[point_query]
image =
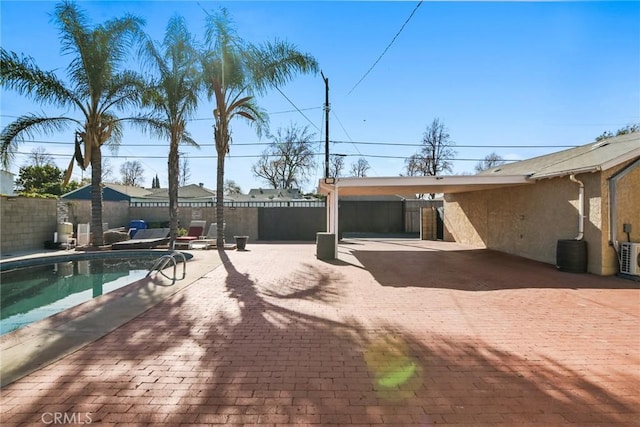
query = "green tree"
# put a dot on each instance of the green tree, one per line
(235, 71)
(45, 179)
(631, 128)
(288, 160)
(173, 95)
(97, 88)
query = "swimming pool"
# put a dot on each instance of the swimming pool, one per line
(33, 289)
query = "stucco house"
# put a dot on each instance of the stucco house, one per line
(110, 192)
(6, 183)
(588, 192)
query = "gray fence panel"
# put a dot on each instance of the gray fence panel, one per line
(371, 217)
(291, 223)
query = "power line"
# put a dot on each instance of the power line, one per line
(197, 119)
(258, 156)
(270, 113)
(235, 144)
(401, 144)
(391, 144)
(297, 109)
(387, 48)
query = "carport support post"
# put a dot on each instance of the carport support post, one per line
(329, 208)
(334, 213)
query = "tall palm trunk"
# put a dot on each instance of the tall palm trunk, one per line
(220, 199)
(96, 195)
(174, 171)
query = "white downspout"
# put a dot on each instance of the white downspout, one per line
(572, 177)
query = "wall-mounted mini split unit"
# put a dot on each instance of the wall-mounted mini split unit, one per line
(630, 258)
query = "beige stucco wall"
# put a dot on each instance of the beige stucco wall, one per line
(239, 221)
(114, 214)
(528, 220)
(26, 223)
(628, 212)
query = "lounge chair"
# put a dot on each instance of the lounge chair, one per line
(196, 230)
(147, 238)
(208, 241)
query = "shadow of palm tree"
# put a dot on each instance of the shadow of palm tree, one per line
(249, 346)
(473, 270)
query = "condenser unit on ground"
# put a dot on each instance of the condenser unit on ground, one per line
(630, 258)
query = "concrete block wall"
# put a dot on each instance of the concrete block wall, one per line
(26, 223)
(239, 221)
(115, 214)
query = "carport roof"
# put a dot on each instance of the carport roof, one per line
(418, 184)
(593, 157)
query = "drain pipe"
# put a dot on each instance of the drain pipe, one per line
(572, 177)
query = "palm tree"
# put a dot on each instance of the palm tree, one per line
(96, 88)
(234, 72)
(174, 98)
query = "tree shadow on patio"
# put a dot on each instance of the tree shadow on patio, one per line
(473, 270)
(240, 348)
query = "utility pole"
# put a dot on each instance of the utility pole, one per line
(326, 122)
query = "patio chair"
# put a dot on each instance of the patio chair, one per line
(195, 232)
(147, 238)
(208, 241)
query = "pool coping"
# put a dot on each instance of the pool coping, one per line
(43, 342)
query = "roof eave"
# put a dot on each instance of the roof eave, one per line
(418, 184)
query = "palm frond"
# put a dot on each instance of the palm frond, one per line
(154, 125)
(123, 90)
(72, 23)
(276, 63)
(112, 130)
(220, 30)
(253, 114)
(26, 127)
(25, 77)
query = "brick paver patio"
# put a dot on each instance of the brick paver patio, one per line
(395, 333)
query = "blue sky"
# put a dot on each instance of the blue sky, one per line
(516, 74)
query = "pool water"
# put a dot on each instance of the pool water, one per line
(29, 294)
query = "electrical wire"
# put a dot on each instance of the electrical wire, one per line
(269, 113)
(387, 48)
(297, 109)
(229, 156)
(392, 144)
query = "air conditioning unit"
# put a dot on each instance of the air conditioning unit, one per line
(630, 258)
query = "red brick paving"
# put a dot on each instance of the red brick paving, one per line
(396, 333)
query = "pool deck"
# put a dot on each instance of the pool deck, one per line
(395, 332)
